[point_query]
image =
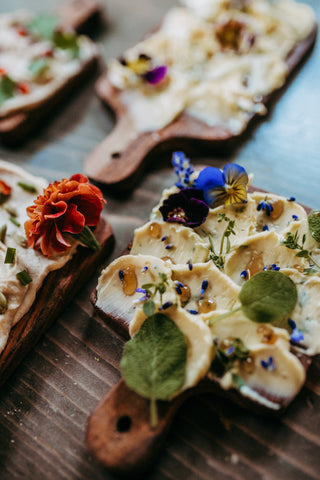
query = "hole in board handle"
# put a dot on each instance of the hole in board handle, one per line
(116, 155)
(124, 424)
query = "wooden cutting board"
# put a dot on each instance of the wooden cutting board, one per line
(57, 291)
(79, 15)
(119, 435)
(119, 160)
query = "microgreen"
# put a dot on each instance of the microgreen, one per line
(291, 241)
(314, 224)
(42, 26)
(218, 259)
(227, 354)
(27, 187)
(7, 88)
(67, 41)
(154, 361)
(38, 67)
(268, 296)
(152, 289)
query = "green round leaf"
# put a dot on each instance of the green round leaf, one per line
(154, 360)
(268, 296)
(314, 224)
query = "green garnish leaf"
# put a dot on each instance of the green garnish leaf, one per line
(14, 221)
(7, 88)
(154, 360)
(314, 224)
(24, 277)
(43, 26)
(268, 296)
(67, 41)
(10, 255)
(149, 308)
(291, 241)
(38, 67)
(27, 187)
(87, 238)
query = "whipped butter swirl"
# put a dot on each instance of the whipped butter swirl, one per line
(222, 57)
(20, 297)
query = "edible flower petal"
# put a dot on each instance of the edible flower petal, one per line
(186, 207)
(155, 75)
(66, 207)
(183, 168)
(223, 187)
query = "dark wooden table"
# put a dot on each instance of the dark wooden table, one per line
(45, 405)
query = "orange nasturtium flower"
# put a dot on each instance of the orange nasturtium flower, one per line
(65, 208)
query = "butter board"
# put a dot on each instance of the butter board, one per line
(119, 435)
(58, 289)
(80, 16)
(120, 159)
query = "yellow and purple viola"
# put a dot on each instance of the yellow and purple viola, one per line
(223, 187)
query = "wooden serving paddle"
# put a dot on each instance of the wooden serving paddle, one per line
(119, 434)
(121, 157)
(59, 287)
(78, 15)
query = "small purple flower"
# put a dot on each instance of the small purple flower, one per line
(193, 312)
(165, 306)
(204, 287)
(186, 207)
(155, 75)
(295, 217)
(190, 266)
(229, 351)
(296, 335)
(268, 364)
(274, 266)
(266, 206)
(179, 285)
(145, 294)
(144, 269)
(291, 199)
(121, 275)
(265, 228)
(183, 168)
(244, 274)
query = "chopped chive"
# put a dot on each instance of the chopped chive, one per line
(3, 231)
(10, 254)
(27, 187)
(11, 210)
(24, 277)
(14, 221)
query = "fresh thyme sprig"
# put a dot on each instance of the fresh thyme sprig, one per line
(150, 290)
(291, 241)
(218, 259)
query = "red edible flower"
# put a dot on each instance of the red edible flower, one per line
(2, 71)
(65, 207)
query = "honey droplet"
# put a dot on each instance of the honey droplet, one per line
(255, 264)
(278, 208)
(206, 305)
(248, 365)
(267, 334)
(155, 230)
(167, 259)
(300, 268)
(129, 282)
(185, 294)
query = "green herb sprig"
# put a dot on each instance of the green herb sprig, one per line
(154, 361)
(218, 259)
(269, 296)
(291, 241)
(151, 290)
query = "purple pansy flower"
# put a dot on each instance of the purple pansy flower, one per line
(227, 187)
(155, 75)
(186, 207)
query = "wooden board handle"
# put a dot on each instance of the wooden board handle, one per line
(79, 15)
(119, 434)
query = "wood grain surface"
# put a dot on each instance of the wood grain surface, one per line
(45, 405)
